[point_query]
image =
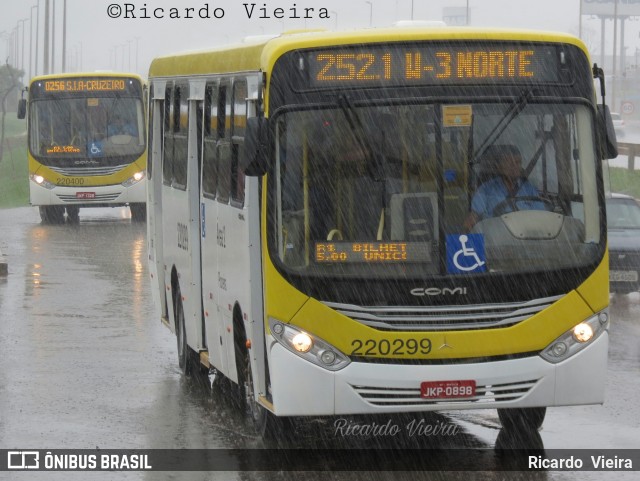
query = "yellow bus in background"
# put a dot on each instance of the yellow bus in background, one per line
(86, 143)
(307, 204)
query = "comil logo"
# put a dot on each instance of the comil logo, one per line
(23, 460)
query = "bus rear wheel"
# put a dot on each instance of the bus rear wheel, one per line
(52, 214)
(181, 337)
(519, 419)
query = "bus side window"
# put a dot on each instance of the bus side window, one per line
(167, 147)
(210, 133)
(223, 146)
(238, 126)
(180, 130)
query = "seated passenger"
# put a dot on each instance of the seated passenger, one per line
(504, 190)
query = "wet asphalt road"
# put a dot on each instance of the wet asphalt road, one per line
(85, 363)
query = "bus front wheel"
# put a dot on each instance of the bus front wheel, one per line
(529, 419)
(267, 425)
(138, 212)
(73, 213)
(52, 214)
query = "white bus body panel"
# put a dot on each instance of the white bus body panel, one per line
(214, 323)
(318, 392)
(225, 273)
(177, 240)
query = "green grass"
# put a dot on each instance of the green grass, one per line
(625, 181)
(14, 172)
(14, 126)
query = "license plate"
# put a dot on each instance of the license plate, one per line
(85, 195)
(623, 276)
(447, 389)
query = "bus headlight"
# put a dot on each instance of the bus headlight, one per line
(134, 179)
(302, 342)
(577, 338)
(307, 346)
(41, 181)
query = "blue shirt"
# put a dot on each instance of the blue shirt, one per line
(493, 192)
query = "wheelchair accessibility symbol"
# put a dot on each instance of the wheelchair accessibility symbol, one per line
(465, 253)
(95, 149)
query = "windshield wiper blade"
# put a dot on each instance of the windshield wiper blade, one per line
(355, 123)
(502, 124)
(357, 129)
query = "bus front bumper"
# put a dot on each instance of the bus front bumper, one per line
(87, 196)
(300, 388)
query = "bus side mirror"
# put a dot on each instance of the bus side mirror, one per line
(22, 108)
(610, 142)
(254, 158)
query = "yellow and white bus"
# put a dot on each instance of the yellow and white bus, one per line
(307, 202)
(87, 143)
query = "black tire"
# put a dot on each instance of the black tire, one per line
(266, 424)
(52, 214)
(184, 361)
(43, 215)
(522, 419)
(73, 214)
(138, 212)
(512, 443)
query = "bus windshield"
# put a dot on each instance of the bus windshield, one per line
(382, 190)
(95, 130)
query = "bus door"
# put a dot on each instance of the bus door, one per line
(154, 197)
(234, 285)
(213, 134)
(196, 99)
(181, 236)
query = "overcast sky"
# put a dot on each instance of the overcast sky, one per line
(96, 41)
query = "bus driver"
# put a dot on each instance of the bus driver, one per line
(500, 194)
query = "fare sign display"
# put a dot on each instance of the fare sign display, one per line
(436, 63)
(371, 252)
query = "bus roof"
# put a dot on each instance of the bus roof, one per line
(260, 53)
(56, 76)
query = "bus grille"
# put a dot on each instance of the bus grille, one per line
(399, 397)
(97, 199)
(438, 318)
(88, 171)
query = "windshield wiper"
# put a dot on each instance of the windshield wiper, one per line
(363, 141)
(515, 109)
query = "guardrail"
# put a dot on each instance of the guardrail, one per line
(630, 150)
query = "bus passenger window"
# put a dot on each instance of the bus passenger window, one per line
(167, 149)
(209, 160)
(180, 129)
(223, 146)
(239, 123)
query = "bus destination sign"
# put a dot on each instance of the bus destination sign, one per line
(84, 85)
(431, 64)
